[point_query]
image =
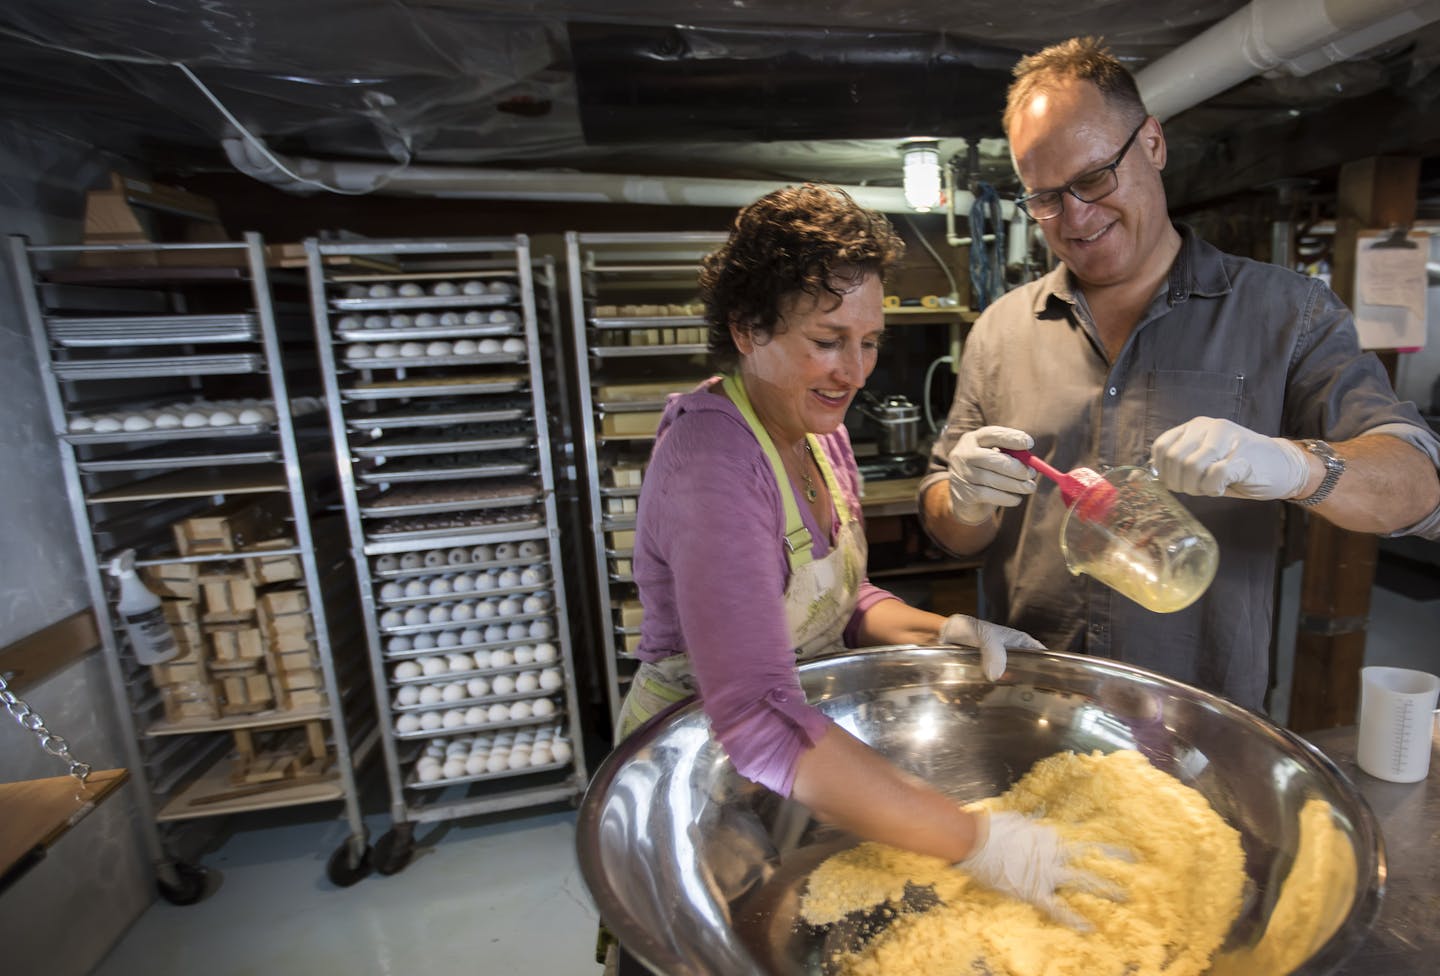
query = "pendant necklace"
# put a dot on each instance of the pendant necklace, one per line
(811, 493)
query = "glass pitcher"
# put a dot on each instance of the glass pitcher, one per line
(1130, 533)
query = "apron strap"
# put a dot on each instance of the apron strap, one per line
(798, 542)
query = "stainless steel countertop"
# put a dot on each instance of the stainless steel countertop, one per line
(1405, 940)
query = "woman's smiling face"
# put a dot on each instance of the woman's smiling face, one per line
(803, 377)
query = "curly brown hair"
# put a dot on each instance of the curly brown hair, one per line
(809, 238)
(1078, 59)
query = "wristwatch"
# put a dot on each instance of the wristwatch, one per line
(1334, 468)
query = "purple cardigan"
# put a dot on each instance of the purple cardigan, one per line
(710, 564)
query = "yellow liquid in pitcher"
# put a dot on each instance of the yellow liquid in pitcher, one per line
(1163, 586)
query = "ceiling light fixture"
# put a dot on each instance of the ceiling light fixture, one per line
(921, 161)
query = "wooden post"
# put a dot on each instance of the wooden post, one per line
(1340, 565)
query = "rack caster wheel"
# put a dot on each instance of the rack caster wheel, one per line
(394, 849)
(342, 873)
(189, 887)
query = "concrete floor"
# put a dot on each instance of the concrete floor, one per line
(498, 896)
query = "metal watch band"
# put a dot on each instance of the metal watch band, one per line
(1334, 468)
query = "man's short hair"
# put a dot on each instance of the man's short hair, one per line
(1078, 59)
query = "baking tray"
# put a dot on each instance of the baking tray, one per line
(490, 330)
(396, 303)
(450, 569)
(622, 523)
(439, 416)
(251, 479)
(489, 468)
(452, 386)
(413, 362)
(114, 369)
(461, 440)
(151, 330)
(514, 696)
(412, 780)
(499, 591)
(409, 630)
(399, 531)
(648, 322)
(626, 492)
(171, 434)
(411, 502)
(472, 673)
(165, 457)
(685, 349)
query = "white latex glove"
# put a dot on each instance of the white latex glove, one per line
(992, 639)
(982, 478)
(1206, 456)
(1026, 859)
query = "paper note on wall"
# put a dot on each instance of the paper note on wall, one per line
(1390, 289)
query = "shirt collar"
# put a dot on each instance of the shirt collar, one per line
(1199, 269)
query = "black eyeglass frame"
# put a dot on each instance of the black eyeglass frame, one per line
(1024, 202)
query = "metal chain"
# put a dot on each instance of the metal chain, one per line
(49, 741)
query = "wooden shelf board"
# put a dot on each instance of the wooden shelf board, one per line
(256, 720)
(216, 781)
(36, 813)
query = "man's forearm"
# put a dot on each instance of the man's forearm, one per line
(1387, 485)
(955, 536)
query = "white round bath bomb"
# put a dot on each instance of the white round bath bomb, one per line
(443, 288)
(488, 347)
(473, 287)
(412, 350)
(399, 321)
(412, 560)
(438, 348)
(454, 718)
(453, 693)
(380, 290)
(460, 662)
(440, 586)
(542, 708)
(535, 603)
(432, 666)
(508, 607)
(527, 681)
(503, 684)
(392, 618)
(169, 420)
(498, 713)
(387, 350)
(531, 575)
(409, 722)
(476, 317)
(493, 633)
(222, 418)
(463, 583)
(430, 774)
(347, 322)
(408, 695)
(464, 610)
(436, 558)
(447, 638)
(416, 615)
(475, 764)
(410, 289)
(550, 679)
(487, 580)
(541, 628)
(448, 320)
(465, 347)
(523, 654)
(375, 322)
(477, 687)
(501, 658)
(513, 345)
(561, 750)
(470, 636)
(439, 614)
(485, 609)
(423, 642)
(431, 695)
(426, 320)
(359, 350)
(194, 418)
(509, 578)
(416, 587)
(481, 554)
(429, 721)
(519, 760)
(406, 670)
(454, 768)
(477, 715)
(504, 551)
(392, 591)
(387, 563)
(458, 556)
(498, 762)
(519, 631)
(529, 549)
(545, 653)
(541, 756)
(250, 416)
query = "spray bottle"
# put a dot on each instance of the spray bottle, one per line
(140, 611)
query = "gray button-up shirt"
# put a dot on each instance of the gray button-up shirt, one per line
(1228, 337)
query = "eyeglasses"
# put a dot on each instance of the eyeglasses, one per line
(1087, 187)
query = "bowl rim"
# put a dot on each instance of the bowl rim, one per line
(1342, 943)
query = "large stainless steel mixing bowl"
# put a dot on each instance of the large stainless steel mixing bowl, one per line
(699, 871)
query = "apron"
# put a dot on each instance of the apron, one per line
(820, 596)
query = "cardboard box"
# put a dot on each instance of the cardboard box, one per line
(235, 525)
(229, 596)
(289, 641)
(179, 673)
(281, 603)
(621, 541)
(176, 581)
(640, 423)
(235, 645)
(287, 681)
(267, 570)
(631, 613)
(190, 700)
(302, 659)
(246, 691)
(183, 616)
(305, 698)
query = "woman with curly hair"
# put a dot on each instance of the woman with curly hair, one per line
(750, 553)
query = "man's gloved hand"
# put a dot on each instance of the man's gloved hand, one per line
(992, 639)
(1206, 456)
(982, 478)
(1025, 859)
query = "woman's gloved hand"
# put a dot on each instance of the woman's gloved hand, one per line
(982, 478)
(1206, 456)
(992, 639)
(1029, 860)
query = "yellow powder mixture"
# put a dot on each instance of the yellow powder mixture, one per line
(1183, 887)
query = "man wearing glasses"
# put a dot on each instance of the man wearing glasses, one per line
(1242, 383)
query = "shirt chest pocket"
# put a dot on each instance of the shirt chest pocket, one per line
(1174, 396)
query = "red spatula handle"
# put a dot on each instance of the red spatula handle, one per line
(1025, 457)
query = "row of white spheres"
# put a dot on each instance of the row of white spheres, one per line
(428, 320)
(503, 754)
(440, 347)
(459, 556)
(436, 665)
(412, 289)
(524, 683)
(199, 413)
(490, 579)
(475, 715)
(519, 630)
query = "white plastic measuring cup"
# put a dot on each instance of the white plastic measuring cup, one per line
(1397, 714)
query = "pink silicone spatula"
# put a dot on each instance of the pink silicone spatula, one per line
(1096, 504)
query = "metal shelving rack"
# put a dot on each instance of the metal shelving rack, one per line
(638, 336)
(437, 397)
(119, 328)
